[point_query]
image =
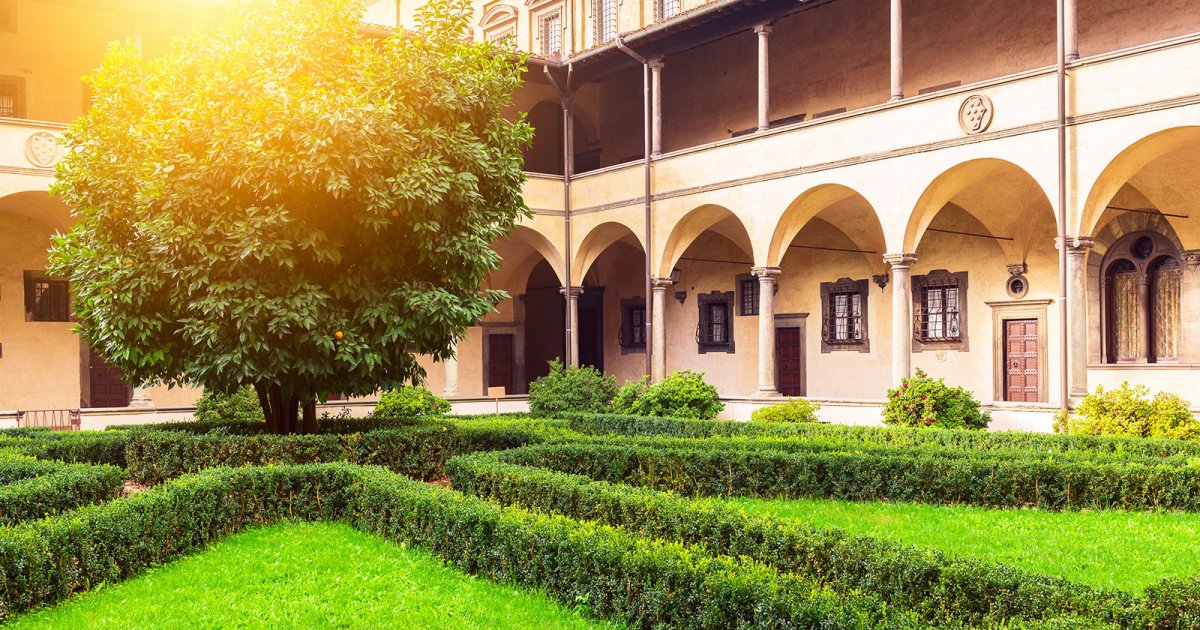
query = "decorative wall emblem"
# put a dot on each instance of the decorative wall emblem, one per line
(42, 149)
(975, 114)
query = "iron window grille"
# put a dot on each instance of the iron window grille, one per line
(604, 12)
(46, 299)
(940, 311)
(844, 315)
(632, 334)
(714, 331)
(665, 9)
(12, 97)
(748, 288)
(551, 32)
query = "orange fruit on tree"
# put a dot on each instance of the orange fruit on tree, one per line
(338, 335)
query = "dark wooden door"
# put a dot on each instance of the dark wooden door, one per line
(1021, 378)
(789, 361)
(105, 388)
(591, 328)
(500, 362)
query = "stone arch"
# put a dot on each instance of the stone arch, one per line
(516, 250)
(827, 201)
(39, 206)
(987, 189)
(696, 222)
(595, 242)
(496, 15)
(1128, 165)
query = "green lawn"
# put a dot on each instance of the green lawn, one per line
(308, 576)
(1124, 550)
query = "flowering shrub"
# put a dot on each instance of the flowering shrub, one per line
(1127, 411)
(581, 388)
(794, 410)
(409, 401)
(921, 401)
(683, 394)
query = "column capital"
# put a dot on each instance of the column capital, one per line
(763, 29)
(900, 261)
(1076, 245)
(1191, 258)
(655, 63)
(661, 284)
(575, 291)
(1018, 269)
(766, 274)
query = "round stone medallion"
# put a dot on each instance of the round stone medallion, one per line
(42, 149)
(975, 114)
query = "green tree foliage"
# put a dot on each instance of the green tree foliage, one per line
(1130, 411)
(921, 401)
(582, 388)
(288, 203)
(240, 406)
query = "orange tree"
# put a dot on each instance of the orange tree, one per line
(290, 203)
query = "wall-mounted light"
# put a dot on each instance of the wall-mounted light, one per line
(676, 274)
(681, 296)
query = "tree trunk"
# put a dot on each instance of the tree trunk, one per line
(283, 411)
(310, 416)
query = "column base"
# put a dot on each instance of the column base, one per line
(141, 403)
(896, 98)
(451, 393)
(767, 393)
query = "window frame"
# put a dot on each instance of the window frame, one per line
(845, 286)
(666, 9)
(600, 32)
(704, 302)
(625, 333)
(1144, 266)
(940, 279)
(32, 312)
(17, 85)
(741, 282)
(544, 32)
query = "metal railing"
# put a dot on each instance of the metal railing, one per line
(54, 419)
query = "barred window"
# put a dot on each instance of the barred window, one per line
(714, 331)
(844, 319)
(667, 9)
(633, 324)
(46, 299)
(551, 32)
(1165, 283)
(939, 310)
(748, 288)
(604, 12)
(12, 97)
(1126, 312)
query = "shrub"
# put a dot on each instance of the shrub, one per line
(627, 398)
(794, 410)
(683, 394)
(240, 406)
(410, 401)
(33, 489)
(581, 388)
(87, 447)
(718, 470)
(937, 586)
(921, 401)
(1127, 411)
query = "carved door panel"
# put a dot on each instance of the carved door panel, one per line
(789, 361)
(104, 385)
(1021, 360)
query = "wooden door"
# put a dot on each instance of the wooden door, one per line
(789, 361)
(591, 328)
(1021, 359)
(105, 388)
(500, 362)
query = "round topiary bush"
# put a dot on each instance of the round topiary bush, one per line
(240, 406)
(1128, 411)
(683, 394)
(794, 410)
(409, 401)
(921, 401)
(582, 388)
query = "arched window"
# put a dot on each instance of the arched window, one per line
(1142, 301)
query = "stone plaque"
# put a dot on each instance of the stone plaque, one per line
(975, 114)
(42, 149)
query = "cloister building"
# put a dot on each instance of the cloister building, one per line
(800, 198)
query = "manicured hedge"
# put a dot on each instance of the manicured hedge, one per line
(32, 489)
(644, 583)
(865, 476)
(940, 588)
(418, 451)
(89, 447)
(597, 424)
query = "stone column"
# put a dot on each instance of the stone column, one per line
(450, 373)
(764, 83)
(1077, 323)
(1189, 307)
(658, 330)
(572, 323)
(897, 31)
(141, 399)
(656, 66)
(766, 330)
(1070, 31)
(901, 315)
(1144, 309)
